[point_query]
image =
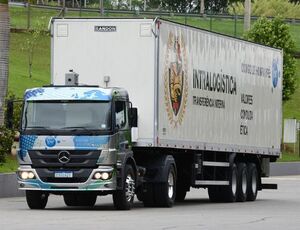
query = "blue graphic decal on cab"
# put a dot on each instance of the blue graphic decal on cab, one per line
(90, 142)
(92, 94)
(33, 93)
(26, 143)
(50, 141)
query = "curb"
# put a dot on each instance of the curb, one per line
(285, 169)
(9, 185)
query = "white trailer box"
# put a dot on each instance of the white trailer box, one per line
(194, 89)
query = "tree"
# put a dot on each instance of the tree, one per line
(4, 47)
(180, 6)
(216, 5)
(276, 33)
(202, 7)
(31, 43)
(247, 15)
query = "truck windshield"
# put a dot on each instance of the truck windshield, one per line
(66, 115)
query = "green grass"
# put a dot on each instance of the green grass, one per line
(291, 108)
(18, 64)
(11, 165)
(289, 157)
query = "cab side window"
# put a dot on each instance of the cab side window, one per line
(120, 110)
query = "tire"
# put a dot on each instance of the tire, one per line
(36, 199)
(230, 191)
(84, 199)
(252, 182)
(180, 194)
(165, 192)
(241, 182)
(123, 199)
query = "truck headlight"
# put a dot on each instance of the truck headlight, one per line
(105, 176)
(31, 175)
(102, 175)
(25, 175)
(97, 176)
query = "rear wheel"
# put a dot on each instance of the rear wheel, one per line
(161, 194)
(230, 191)
(123, 199)
(165, 193)
(36, 199)
(241, 182)
(252, 182)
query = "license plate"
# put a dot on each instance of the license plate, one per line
(63, 174)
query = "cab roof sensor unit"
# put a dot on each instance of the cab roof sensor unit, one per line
(71, 78)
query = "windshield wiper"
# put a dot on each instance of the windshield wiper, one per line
(88, 129)
(40, 128)
(76, 128)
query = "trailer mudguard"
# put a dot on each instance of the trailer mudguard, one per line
(157, 168)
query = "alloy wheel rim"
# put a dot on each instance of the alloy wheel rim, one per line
(170, 185)
(129, 187)
(233, 183)
(244, 182)
(254, 182)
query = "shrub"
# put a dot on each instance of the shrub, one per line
(6, 135)
(276, 33)
(17, 110)
(6, 141)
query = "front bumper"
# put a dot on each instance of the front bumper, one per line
(89, 185)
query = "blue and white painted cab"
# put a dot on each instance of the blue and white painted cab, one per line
(71, 137)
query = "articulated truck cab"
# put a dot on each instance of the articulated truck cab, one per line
(74, 141)
(207, 114)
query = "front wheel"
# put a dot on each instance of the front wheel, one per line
(242, 182)
(123, 199)
(36, 199)
(230, 191)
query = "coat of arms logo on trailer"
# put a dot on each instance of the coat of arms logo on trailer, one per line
(175, 79)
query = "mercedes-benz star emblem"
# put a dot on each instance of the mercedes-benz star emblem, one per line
(64, 157)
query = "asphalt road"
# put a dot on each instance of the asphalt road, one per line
(272, 210)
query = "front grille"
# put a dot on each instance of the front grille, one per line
(79, 176)
(78, 159)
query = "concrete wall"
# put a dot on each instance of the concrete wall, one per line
(9, 185)
(285, 169)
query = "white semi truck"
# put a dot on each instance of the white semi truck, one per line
(152, 108)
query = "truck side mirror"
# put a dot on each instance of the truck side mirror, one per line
(9, 114)
(133, 117)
